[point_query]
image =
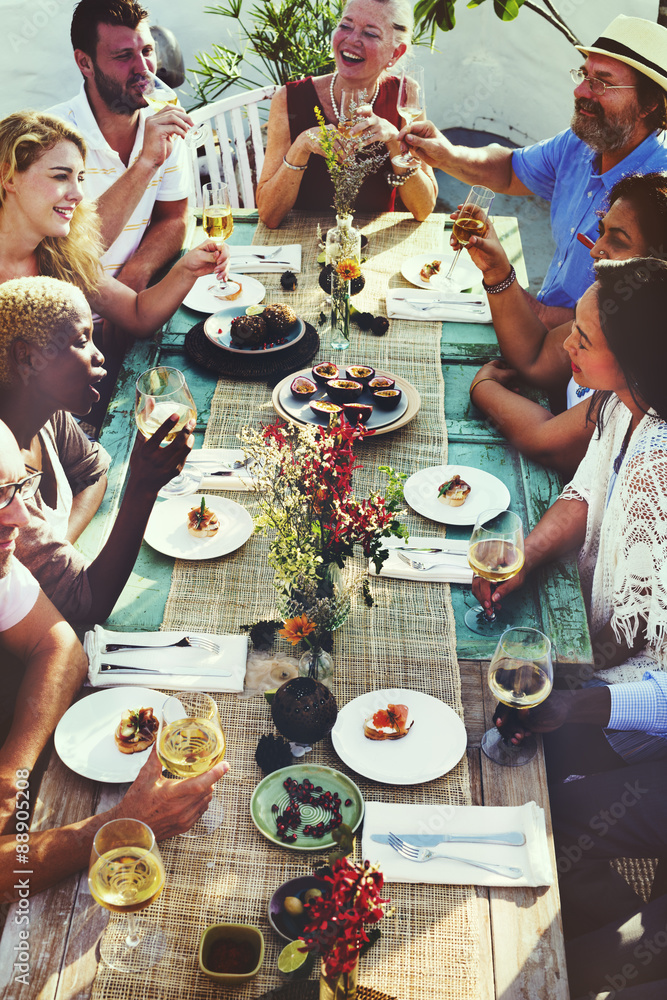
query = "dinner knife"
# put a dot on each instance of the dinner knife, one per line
(191, 668)
(514, 839)
(439, 302)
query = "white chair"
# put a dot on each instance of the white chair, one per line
(232, 121)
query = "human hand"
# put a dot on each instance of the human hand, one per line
(551, 714)
(369, 127)
(159, 132)
(490, 599)
(486, 252)
(168, 806)
(151, 467)
(209, 257)
(427, 142)
(499, 371)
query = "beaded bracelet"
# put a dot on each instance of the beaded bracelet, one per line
(294, 166)
(502, 285)
(396, 180)
(486, 378)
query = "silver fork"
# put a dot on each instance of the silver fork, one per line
(187, 640)
(421, 854)
(417, 564)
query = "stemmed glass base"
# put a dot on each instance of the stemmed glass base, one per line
(211, 820)
(125, 951)
(499, 749)
(405, 160)
(478, 622)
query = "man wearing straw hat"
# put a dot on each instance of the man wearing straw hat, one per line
(620, 113)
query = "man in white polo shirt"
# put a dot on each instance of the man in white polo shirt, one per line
(136, 168)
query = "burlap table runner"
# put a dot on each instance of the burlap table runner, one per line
(429, 948)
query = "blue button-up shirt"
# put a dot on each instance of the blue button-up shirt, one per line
(640, 705)
(563, 170)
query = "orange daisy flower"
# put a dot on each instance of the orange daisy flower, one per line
(296, 629)
(348, 269)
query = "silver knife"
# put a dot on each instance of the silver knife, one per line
(515, 839)
(416, 548)
(148, 670)
(439, 302)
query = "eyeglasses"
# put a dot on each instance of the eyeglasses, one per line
(25, 489)
(597, 87)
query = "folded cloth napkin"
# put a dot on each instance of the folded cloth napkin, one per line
(179, 668)
(249, 259)
(447, 568)
(533, 857)
(458, 307)
(201, 460)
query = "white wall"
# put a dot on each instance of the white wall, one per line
(509, 78)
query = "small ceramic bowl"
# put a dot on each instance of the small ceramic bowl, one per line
(241, 933)
(287, 926)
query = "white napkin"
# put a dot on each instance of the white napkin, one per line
(180, 668)
(200, 459)
(449, 568)
(457, 307)
(533, 857)
(243, 260)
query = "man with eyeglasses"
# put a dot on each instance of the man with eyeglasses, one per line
(620, 114)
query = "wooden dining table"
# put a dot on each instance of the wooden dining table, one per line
(519, 948)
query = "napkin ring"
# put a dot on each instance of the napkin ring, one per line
(502, 285)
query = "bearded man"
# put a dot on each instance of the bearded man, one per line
(620, 114)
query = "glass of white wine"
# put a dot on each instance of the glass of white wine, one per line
(217, 220)
(159, 393)
(521, 676)
(473, 220)
(125, 875)
(158, 95)
(495, 552)
(191, 741)
(350, 101)
(410, 105)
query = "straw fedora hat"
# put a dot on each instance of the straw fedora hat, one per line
(640, 43)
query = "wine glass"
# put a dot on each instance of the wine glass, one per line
(410, 104)
(191, 741)
(521, 676)
(495, 552)
(350, 101)
(125, 875)
(159, 393)
(217, 220)
(473, 220)
(158, 95)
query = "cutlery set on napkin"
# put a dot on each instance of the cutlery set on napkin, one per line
(256, 259)
(176, 661)
(434, 306)
(217, 469)
(438, 560)
(482, 845)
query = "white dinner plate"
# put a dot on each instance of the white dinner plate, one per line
(202, 299)
(434, 745)
(421, 492)
(84, 737)
(167, 528)
(300, 409)
(217, 330)
(466, 274)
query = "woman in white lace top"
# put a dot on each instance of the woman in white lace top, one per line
(614, 511)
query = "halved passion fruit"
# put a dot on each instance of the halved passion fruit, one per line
(303, 388)
(342, 390)
(381, 382)
(360, 373)
(357, 412)
(387, 399)
(324, 410)
(322, 373)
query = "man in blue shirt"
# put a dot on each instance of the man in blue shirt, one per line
(620, 113)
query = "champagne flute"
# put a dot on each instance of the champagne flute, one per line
(217, 220)
(473, 220)
(410, 105)
(521, 676)
(495, 552)
(125, 875)
(158, 95)
(191, 741)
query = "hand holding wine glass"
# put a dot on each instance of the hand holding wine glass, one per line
(158, 96)
(217, 220)
(472, 220)
(410, 105)
(496, 554)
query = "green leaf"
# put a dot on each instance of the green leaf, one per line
(475, 3)
(507, 10)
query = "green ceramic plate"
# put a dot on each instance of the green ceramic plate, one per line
(271, 791)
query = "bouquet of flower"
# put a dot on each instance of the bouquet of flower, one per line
(304, 490)
(349, 163)
(337, 919)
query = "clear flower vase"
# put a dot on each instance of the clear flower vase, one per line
(343, 244)
(342, 987)
(318, 664)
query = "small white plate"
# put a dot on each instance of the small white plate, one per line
(466, 274)
(434, 745)
(84, 737)
(167, 529)
(217, 330)
(202, 299)
(421, 492)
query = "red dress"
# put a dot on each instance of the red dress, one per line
(316, 192)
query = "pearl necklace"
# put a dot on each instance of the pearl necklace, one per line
(333, 99)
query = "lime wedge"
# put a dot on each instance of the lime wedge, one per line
(295, 963)
(268, 695)
(254, 310)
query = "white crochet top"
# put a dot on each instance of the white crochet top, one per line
(623, 561)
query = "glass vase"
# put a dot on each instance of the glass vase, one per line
(343, 243)
(342, 987)
(318, 664)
